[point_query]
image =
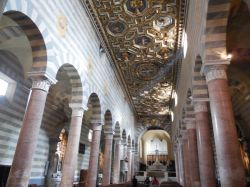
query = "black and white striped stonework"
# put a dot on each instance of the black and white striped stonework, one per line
(215, 34)
(199, 85)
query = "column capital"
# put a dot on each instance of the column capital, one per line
(215, 72)
(97, 127)
(200, 107)
(190, 126)
(117, 139)
(77, 112)
(78, 105)
(108, 136)
(41, 83)
(190, 120)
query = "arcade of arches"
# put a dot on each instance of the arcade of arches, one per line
(94, 92)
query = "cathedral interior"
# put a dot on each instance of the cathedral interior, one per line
(111, 92)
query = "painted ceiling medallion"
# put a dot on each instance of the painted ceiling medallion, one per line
(147, 71)
(135, 7)
(142, 41)
(163, 23)
(116, 27)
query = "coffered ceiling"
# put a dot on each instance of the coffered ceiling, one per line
(142, 38)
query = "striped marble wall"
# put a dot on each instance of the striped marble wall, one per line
(11, 112)
(44, 22)
(215, 35)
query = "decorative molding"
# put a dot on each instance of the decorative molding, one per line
(78, 105)
(215, 72)
(190, 126)
(97, 127)
(77, 112)
(41, 84)
(117, 139)
(108, 135)
(200, 107)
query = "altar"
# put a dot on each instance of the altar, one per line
(157, 169)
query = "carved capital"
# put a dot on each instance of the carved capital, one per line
(41, 84)
(77, 112)
(117, 140)
(108, 136)
(97, 127)
(200, 107)
(191, 126)
(215, 72)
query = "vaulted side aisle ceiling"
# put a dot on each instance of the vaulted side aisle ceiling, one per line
(143, 39)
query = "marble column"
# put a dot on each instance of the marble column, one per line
(226, 142)
(117, 161)
(94, 156)
(71, 153)
(21, 166)
(129, 154)
(176, 163)
(107, 157)
(133, 164)
(205, 150)
(192, 147)
(186, 163)
(180, 159)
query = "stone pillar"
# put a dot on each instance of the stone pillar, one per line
(129, 154)
(107, 157)
(176, 163)
(133, 163)
(21, 166)
(205, 150)
(71, 153)
(186, 162)
(94, 156)
(180, 159)
(117, 161)
(226, 142)
(192, 148)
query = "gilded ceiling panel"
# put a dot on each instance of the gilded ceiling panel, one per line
(142, 38)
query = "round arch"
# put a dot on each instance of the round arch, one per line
(38, 43)
(94, 106)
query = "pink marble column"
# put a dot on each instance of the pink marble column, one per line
(129, 154)
(180, 159)
(27, 141)
(107, 157)
(94, 156)
(186, 163)
(117, 161)
(226, 142)
(176, 163)
(192, 147)
(71, 153)
(205, 150)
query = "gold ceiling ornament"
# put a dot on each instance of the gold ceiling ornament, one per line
(62, 25)
(142, 37)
